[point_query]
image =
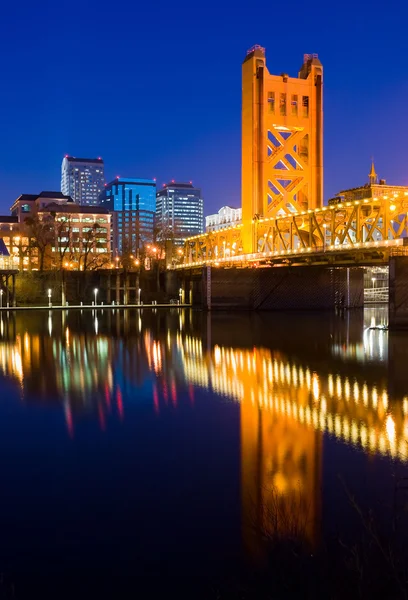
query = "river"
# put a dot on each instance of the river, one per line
(153, 441)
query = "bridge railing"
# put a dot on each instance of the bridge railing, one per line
(392, 246)
(374, 295)
(357, 224)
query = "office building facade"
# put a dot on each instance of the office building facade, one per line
(131, 202)
(78, 237)
(82, 179)
(179, 212)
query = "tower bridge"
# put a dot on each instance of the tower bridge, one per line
(284, 221)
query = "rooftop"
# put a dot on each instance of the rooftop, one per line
(74, 208)
(8, 219)
(33, 197)
(98, 160)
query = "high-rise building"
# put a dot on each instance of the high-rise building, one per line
(179, 212)
(132, 203)
(82, 179)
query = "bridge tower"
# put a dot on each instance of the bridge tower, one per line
(282, 141)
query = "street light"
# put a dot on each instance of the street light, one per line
(138, 300)
(1, 298)
(324, 236)
(373, 280)
(96, 293)
(49, 297)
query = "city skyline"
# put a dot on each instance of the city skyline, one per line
(195, 134)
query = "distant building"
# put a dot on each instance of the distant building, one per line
(83, 179)
(225, 217)
(179, 212)
(76, 237)
(375, 188)
(132, 203)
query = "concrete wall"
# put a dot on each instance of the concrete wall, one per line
(32, 288)
(279, 288)
(398, 286)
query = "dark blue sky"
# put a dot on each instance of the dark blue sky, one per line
(155, 87)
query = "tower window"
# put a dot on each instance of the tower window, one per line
(305, 105)
(282, 105)
(294, 104)
(271, 102)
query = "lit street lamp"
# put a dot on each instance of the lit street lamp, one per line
(1, 298)
(324, 236)
(138, 299)
(96, 293)
(373, 280)
(49, 297)
(181, 295)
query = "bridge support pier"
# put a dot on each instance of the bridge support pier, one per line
(275, 288)
(398, 286)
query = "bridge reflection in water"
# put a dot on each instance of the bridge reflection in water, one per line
(335, 379)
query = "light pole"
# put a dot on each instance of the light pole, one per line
(181, 296)
(49, 297)
(96, 293)
(1, 298)
(138, 299)
(373, 280)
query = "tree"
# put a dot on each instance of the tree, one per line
(63, 237)
(89, 258)
(41, 234)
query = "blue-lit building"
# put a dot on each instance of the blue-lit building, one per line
(132, 204)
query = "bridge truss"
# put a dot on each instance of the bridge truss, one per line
(371, 226)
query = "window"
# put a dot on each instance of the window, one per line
(294, 104)
(282, 105)
(271, 102)
(305, 106)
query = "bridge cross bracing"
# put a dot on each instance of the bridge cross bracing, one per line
(283, 216)
(363, 230)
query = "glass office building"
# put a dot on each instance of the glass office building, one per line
(129, 194)
(83, 179)
(179, 211)
(131, 203)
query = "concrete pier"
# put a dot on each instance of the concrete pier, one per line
(276, 288)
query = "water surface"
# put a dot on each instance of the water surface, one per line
(150, 442)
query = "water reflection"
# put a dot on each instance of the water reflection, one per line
(85, 361)
(295, 379)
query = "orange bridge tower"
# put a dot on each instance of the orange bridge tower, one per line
(282, 141)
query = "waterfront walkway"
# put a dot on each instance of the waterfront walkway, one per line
(92, 307)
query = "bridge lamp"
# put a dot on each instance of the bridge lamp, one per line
(96, 294)
(1, 298)
(373, 280)
(392, 207)
(49, 297)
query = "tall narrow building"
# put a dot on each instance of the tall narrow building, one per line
(83, 179)
(179, 212)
